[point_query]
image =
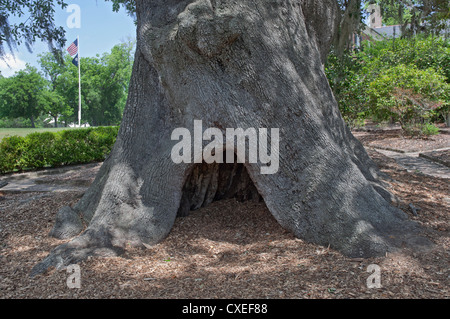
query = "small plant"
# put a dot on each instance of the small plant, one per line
(430, 129)
(420, 130)
(332, 290)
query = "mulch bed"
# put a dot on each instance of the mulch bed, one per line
(395, 141)
(229, 250)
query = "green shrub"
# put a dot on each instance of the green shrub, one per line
(37, 150)
(384, 76)
(51, 149)
(422, 52)
(430, 129)
(348, 83)
(407, 94)
(11, 149)
(14, 123)
(420, 130)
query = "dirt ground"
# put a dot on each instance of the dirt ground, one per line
(229, 250)
(394, 140)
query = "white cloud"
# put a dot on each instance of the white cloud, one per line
(10, 65)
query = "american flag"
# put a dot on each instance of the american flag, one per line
(73, 49)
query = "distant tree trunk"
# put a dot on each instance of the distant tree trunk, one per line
(233, 64)
(32, 121)
(349, 24)
(56, 121)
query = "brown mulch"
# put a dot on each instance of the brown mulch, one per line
(229, 250)
(395, 141)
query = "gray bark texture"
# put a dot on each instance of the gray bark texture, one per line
(234, 64)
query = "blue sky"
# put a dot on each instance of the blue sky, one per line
(100, 30)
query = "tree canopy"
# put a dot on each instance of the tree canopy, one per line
(21, 95)
(104, 81)
(54, 92)
(39, 23)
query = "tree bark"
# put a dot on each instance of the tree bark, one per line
(32, 121)
(234, 64)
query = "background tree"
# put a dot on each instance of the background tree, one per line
(55, 105)
(393, 12)
(416, 16)
(104, 79)
(22, 95)
(350, 22)
(56, 97)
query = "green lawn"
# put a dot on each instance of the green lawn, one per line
(4, 132)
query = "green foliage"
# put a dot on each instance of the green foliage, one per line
(21, 95)
(416, 16)
(420, 130)
(404, 80)
(422, 52)
(29, 95)
(348, 82)
(393, 12)
(105, 82)
(430, 129)
(51, 149)
(37, 150)
(16, 122)
(55, 105)
(35, 20)
(128, 5)
(11, 150)
(407, 94)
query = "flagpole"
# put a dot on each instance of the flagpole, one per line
(79, 83)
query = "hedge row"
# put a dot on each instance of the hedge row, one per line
(51, 149)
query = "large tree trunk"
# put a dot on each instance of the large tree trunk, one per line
(233, 64)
